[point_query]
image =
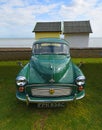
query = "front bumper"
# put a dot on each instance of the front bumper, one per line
(28, 99)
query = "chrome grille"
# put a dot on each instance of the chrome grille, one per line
(51, 92)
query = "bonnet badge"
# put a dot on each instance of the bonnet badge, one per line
(51, 91)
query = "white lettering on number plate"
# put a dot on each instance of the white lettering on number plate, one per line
(50, 105)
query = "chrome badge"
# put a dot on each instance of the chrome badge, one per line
(51, 91)
(52, 80)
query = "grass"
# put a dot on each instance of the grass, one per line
(84, 114)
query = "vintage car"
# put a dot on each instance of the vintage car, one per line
(50, 78)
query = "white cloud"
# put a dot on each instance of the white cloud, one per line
(19, 16)
(84, 10)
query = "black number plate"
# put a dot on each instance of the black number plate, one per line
(50, 105)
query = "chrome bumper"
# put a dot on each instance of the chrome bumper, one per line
(29, 99)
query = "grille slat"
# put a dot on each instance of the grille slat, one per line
(51, 92)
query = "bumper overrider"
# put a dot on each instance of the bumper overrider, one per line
(49, 94)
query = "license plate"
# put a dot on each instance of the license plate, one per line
(50, 105)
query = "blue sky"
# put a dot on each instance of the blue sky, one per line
(18, 17)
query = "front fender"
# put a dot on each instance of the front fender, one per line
(25, 71)
(77, 71)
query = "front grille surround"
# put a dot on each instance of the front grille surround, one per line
(55, 90)
(51, 92)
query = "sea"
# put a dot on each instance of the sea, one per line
(28, 42)
(16, 42)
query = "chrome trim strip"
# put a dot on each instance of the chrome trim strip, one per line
(24, 100)
(32, 85)
(80, 96)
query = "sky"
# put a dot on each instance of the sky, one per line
(18, 17)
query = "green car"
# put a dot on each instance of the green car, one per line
(50, 78)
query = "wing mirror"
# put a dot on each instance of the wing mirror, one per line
(20, 64)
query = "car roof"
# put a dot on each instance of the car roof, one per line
(57, 40)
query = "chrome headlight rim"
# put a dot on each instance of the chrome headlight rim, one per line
(80, 80)
(21, 81)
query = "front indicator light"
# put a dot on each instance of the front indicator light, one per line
(80, 88)
(21, 89)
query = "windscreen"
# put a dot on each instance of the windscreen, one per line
(50, 48)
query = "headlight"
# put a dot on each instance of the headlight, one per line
(21, 81)
(80, 80)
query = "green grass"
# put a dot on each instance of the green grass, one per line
(85, 114)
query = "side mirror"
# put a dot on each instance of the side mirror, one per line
(81, 64)
(20, 64)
